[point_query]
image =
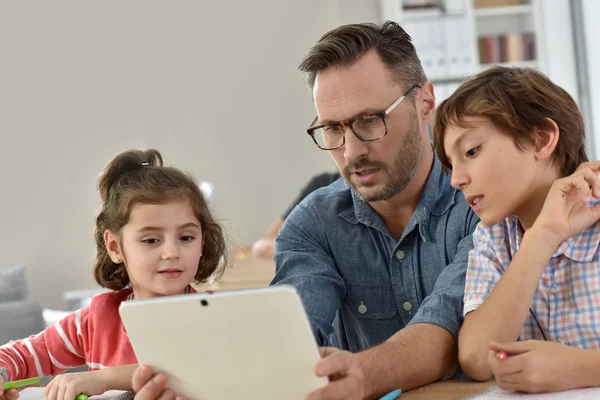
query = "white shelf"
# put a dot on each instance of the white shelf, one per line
(503, 11)
(520, 64)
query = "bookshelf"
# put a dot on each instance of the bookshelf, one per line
(457, 38)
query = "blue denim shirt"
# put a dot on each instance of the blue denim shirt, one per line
(359, 284)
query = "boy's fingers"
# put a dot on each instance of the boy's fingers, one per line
(592, 165)
(511, 348)
(591, 178)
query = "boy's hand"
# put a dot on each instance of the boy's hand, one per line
(346, 377)
(67, 386)
(11, 394)
(536, 366)
(565, 212)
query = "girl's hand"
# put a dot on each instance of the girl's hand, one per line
(67, 386)
(11, 394)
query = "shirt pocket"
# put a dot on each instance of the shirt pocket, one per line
(370, 300)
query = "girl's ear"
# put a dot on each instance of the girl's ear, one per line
(111, 241)
(546, 140)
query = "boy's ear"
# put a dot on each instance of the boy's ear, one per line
(111, 241)
(546, 140)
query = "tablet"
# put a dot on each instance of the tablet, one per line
(243, 344)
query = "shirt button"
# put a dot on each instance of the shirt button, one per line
(554, 289)
(362, 308)
(400, 255)
(407, 306)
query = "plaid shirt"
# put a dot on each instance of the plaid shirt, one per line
(566, 303)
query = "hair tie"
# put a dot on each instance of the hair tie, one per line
(145, 164)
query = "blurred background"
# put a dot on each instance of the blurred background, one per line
(213, 85)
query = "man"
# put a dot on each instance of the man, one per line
(380, 257)
(265, 246)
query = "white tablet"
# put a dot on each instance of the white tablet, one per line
(245, 344)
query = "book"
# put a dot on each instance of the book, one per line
(37, 393)
(495, 393)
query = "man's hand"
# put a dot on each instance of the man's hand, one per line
(565, 212)
(536, 366)
(150, 386)
(346, 378)
(9, 394)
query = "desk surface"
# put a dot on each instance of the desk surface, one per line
(243, 273)
(447, 390)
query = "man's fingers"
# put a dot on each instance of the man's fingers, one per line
(342, 389)
(327, 351)
(141, 375)
(153, 389)
(335, 363)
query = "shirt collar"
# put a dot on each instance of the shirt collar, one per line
(188, 288)
(437, 198)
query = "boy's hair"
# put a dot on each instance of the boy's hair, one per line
(139, 177)
(346, 44)
(516, 101)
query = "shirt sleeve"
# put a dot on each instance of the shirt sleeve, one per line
(444, 305)
(484, 270)
(315, 183)
(303, 260)
(50, 352)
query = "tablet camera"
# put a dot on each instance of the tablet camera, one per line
(204, 302)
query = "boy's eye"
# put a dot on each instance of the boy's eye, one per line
(473, 152)
(150, 241)
(187, 238)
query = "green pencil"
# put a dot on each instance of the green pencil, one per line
(21, 383)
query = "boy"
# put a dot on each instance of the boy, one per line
(513, 141)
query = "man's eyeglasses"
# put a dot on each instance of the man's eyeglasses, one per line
(368, 128)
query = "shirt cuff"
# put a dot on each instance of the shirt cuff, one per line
(470, 307)
(4, 374)
(440, 313)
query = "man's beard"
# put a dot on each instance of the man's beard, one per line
(407, 160)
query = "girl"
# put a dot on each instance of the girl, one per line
(154, 236)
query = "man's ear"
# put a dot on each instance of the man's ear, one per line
(427, 101)
(546, 140)
(111, 241)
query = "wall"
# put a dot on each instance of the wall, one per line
(212, 85)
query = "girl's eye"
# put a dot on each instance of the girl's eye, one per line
(473, 152)
(187, 238)
(150, 241)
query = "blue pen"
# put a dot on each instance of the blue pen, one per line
(392, 395)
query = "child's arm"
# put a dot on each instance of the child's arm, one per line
(502, 315)
(50, 352)
(91, 383)
(500, 318)
(538, 366)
